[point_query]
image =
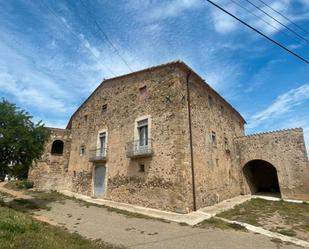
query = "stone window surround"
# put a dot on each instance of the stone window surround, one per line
(136, 135)
(82, 151)
(98, 138)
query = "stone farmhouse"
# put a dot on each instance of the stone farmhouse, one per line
(163, 138)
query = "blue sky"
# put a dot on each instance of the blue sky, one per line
(53, 56)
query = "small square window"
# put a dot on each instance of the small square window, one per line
(143, 92)
(82, 150)
(86, 118)
(210, 102)
(104, 108)
(141, 168)
(143, 89)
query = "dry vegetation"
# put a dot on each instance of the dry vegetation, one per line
(291, 219)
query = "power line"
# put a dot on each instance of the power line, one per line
(259, 32)
(285, 17)
(105, 35)
(287, 27)
(262, 19)
(77, 37)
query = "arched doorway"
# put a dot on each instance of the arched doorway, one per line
(261, 177)
(57, 147)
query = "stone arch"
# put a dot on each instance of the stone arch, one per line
(57, 147)
(261, 177)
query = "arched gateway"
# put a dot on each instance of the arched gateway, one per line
(261, 177)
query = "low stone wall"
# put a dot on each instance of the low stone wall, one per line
(50, 172)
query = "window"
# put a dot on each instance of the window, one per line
(213, 138)
(86, 118)
(210, 102)
(57, 147)
(102, 140)
(82, 150)
(142, 127)
(104, 108)
(226, 144)
(143, 90)
(217, 162)
(222, 109)
(141, 168)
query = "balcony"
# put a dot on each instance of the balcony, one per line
(98, 155)
(139, 148)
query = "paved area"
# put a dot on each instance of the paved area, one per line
(192, 218)
(99, 223)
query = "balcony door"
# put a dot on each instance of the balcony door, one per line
(102, 143)
(142, 134)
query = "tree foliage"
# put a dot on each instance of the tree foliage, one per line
(21, 140)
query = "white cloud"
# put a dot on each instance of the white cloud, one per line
(226, 24)
(173, 8)
(283, 104)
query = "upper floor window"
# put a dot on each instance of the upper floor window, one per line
(210, 102)
(222, 109)
(104, 108)
(102, 142)
(226, 144)
(82, 150)
(86, 118)
(57, 147)
(142, 127)
(142, 92)
(213, 138)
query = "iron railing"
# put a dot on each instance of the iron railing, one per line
(98, 155)
(139, 148)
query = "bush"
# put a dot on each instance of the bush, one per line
(25, 184)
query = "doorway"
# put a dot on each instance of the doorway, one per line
(262, 178)
(99, 181)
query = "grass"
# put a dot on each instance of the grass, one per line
(294, 217)
(19, 230)
(220, 224)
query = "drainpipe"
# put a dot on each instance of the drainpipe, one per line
(191, 144)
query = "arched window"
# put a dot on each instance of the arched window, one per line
(57, 147)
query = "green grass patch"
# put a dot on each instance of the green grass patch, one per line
(219, 224)
(259, 212)
(287, 232)
(18, 230)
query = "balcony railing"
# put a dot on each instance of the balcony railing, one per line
(98, 155)
(139, 148)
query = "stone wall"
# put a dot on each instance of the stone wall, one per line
(50, 172)
(217, 171)
(165, 184)
(286, 151)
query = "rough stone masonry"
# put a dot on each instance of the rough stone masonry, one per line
(163, 138)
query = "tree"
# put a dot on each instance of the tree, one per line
(21, 141)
